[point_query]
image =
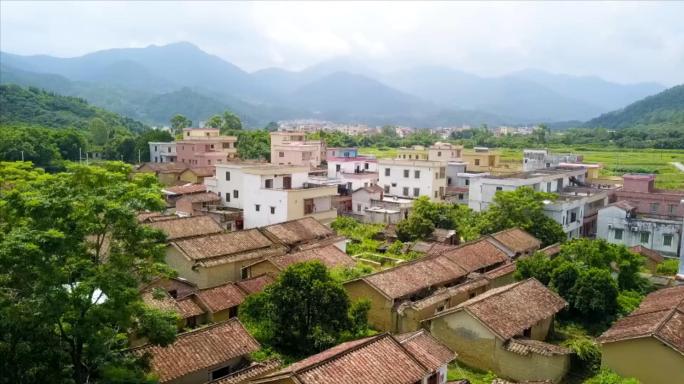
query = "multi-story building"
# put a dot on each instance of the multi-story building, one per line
(202, 147)
(444, 152)
(270, 194)
(352, 170)
(416, 152)
(534, 159)
(621, 223)
(640, 191)
(292, 148)
(568, 210)
(481, 159)
(162, 152)
(413, 178)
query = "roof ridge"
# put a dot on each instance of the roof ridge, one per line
(371, 340)
(192, 332)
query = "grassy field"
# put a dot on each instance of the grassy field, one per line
(616, 161)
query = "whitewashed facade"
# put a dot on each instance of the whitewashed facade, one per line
(162, 152)
(413, 178)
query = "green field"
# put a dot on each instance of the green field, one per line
(616, 161)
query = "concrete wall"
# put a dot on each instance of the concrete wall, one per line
(531, 367)
(428, 183)
(381, 311)
(647, 359)
(204, 375)
(263, 267)
(206, 277)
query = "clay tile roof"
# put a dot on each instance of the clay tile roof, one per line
(184, 227)
(511, 309)
(253, 371)
(202, 171)
(329, 255)
(373, 360)
(199, 349)
(225, 247)
(188, 307)
(185, 189)
(185, 307)
(430, 352)
(145, 216)
(446, 293)
(204, 197)
(255, 284)
(162, 167)
(623, 204)
(503, 270)
(552, 250)
(298, 231)
(517, 240)
(660, 315)
(222, 297)
(477, 255)
(526, 346)
(647, 252)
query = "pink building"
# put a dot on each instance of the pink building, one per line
(640, 191)
(292, 148)
(205, 147)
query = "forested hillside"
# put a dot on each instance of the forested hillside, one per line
(663, 109)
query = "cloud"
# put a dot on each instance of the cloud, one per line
(624, 42)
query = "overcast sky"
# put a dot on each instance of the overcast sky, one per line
(624, 42)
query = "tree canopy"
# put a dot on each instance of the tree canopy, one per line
(72, 256)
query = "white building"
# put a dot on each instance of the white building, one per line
(271, 194)
(413, 178)
(355, 172)
(619, 223)
(444, 152)
(162, 152)
(567, 210)
(534, 159)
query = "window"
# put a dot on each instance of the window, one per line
(268, 183)
(281, 154)
(232, 312)
(672, 208)
(460, 196)
(477, 161)
(467, 182)
(654, 207)
(358, 207)
(406, 173)
(225, 371)
(499, 188)
(257, 207)
(667, 240)
(338, 167)
(416, 192)
(365, 165)
(406, 191)
(155, 148)
(387, 171)
(308, 206)
(435, 194)
(191, 322)
(228, 197)
(386, 188)
(439, 154)
(645, 236)
(548, 187)
(617, 234)
(416, 174)
(235, 193)
(227, 176)
(272, 210)
(173, 293)
(573, 217)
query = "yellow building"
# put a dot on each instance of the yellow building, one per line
(481, 159)
(330, 255)
(416, 152)
(649, 343)
(503, 330)
(196, 175)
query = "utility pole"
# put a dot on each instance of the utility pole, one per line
(138, 156)
(22, 155)
(79, 155)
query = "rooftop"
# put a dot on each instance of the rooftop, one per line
(225, 247)
(509, 310)
(255, 284)
(517, 240)
(204, 197)
(298, 231)
(185, 189)
(222, 297)
(329, 255)
(201, 171)
(556, 171)
(660, 315)
(255, 370)
(199, 349)
(186, 227)
(647, 252)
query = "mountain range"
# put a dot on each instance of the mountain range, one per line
(152, 84)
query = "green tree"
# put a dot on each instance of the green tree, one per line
(564, 278)
(72, 256)
(254, 144)
(231, 122)
(538, 266)
(415, 227)
(523, 208)
(178, 122)
(271, 126)
(99, 132)
(668, 267)
(595, 295)
(142, 142)
(215, 121)
(303, 312)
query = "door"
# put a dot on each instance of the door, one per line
(287, 182)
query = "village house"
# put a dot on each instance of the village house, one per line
(350, 169)
(195, 204)
(416, 280)
(621, 223)
(481, 159)
(196, 175)
(444, 152)
(402, 359)
(371, 205)
(172, 194)
(649, 343)
(640, 191)
(330, 255)
(303, 233)
(413, 178)
(205, 147)
(518, 241)
(534, 159)
(162, 152)
(651, 258)
(503, 330)
(167, 174)
(178, 228)
(292, 148)
(201, 355)
(251, 372)
(215, 259)
(270, 194)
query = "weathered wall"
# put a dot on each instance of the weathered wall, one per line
(532, 367)
(647, 359)
(380, 314)
(466, 336)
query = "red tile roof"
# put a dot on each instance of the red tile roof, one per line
(660, 315)
(222, 297)
(255, 284)
(200, 349)
(185, 227)
(552, 250)
(204, 197)
(249, 373)
(430, 352)
(185, 189)
(517, 240)
(202, 171)
(188, 306)
(374, 360)
(647, 252)
(329, 255)
(509, 310)
(185, 307)
(477, 255)
(298, 231)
